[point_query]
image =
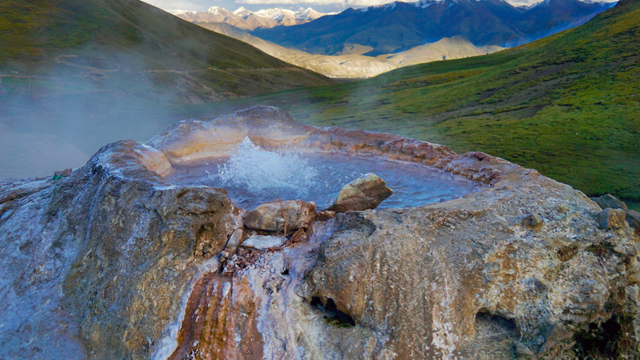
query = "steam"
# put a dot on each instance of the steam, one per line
(56, 114)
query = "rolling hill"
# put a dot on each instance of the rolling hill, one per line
(400, 26)
(567, 105)
(78, 74)
(128, 45)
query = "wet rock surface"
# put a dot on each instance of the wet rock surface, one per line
(114, 262)
(278, 215)
(364, 193)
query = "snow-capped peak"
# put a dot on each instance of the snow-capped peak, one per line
(423, 3)
(275, 14)
(215, 10)
(242, 12)
(544, 3)
(303, 15)
(390, 6)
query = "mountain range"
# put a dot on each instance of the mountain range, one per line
(400, 26)
(248, 20)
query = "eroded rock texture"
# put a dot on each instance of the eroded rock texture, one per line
(114, 262)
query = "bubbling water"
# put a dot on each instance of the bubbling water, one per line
(253, 176)
(257, 170)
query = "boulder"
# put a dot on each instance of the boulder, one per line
(633, 218)
(611, 219)
(364, 193)
(610, 201)
(275, 215)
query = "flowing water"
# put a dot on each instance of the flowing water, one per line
(253, 176)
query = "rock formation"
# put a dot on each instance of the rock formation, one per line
(364, 193)
(115, 262)
(281, 215)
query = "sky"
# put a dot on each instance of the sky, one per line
(176, 6)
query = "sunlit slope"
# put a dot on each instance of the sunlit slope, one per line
(351, 63)
(128, 44)
(567, 105)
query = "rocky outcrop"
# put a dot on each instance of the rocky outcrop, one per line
(364, 193)
(97, 264)
(114, 262)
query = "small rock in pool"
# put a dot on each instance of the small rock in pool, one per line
(268, 216)
(262, 242)
(366, 192)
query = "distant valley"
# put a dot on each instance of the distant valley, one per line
(350, 62)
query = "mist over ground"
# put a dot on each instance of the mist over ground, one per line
(43, 133)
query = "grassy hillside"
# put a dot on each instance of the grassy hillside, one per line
(129, 46)
(567, 105)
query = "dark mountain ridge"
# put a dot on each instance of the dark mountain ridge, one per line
(400, 26)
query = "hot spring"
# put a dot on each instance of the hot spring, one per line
(252, 176)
